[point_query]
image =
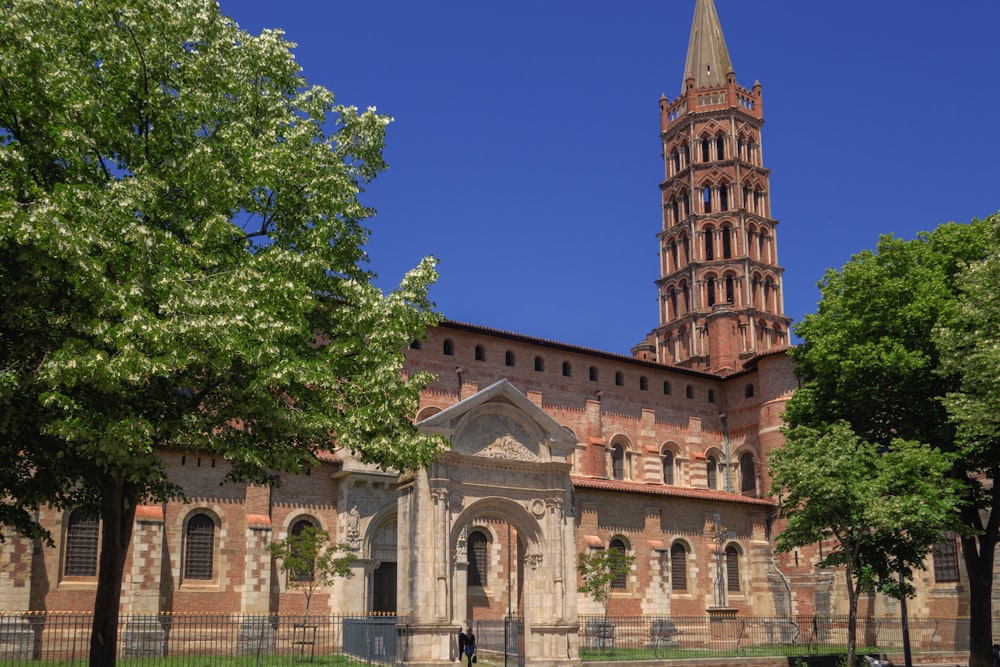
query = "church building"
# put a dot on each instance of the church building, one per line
(555, 450)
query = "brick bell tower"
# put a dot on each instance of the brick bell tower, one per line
(720, 295)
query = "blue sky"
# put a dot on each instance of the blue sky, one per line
(525, 152)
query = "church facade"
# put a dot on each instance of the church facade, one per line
(554, 450)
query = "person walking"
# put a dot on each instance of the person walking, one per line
(467, 646)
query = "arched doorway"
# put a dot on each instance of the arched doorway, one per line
(381, 546)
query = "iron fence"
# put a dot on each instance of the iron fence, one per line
(222, 640)
(679, 637)
(207, 640)
(502, 639)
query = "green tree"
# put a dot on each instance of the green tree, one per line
(968, 337)
(599, 570)
(868, 356)
(182, 265)
(877, 511)
(311, 561)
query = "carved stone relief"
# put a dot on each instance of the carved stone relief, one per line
(497, 436)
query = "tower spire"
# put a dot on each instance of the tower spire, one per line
(707, 56)
(720, 295)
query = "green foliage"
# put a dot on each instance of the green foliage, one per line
(311, 561)
(182, 265)
(598, 571)
(867, 355)
(181, 257)
(891, 337)
(877, 511)
(968, 337)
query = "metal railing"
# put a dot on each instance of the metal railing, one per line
(666, 637)
(221, 640)
(30, 638)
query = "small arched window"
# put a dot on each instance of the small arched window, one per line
(666, 387)
(617, 550)
(730, 289)
(711, 396)
(619, 379)
(706, 198)
(732, 569)
(643, 383)
(748, 391)
(82, 532)
(478, 561)
(720, 148)
(748, 472)
(618, 462)
(724, 199)
(480, 353)
(593, 374)
(678, 567)
(705, 152)
(689, 391)
(539, 364)
(449, 347)
(727, 242)
(199, 547)
(668, 467)
(567, 369)
(712, 472)
(709, 242)
(508, 358)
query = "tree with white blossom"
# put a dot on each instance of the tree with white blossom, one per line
(182, 265)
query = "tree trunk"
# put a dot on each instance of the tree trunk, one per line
(852, 616)
(118, 500)
(978, 554)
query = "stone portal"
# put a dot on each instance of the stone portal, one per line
(507, 461)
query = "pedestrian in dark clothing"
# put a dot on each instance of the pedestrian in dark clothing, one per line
(467, 646)
(996, 655)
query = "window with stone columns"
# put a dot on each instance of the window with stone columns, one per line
(668, 461)
(618, 461)
(712, 471)
(80, 553)
(748, 472)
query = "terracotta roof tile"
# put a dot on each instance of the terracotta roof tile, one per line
(603, 484)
